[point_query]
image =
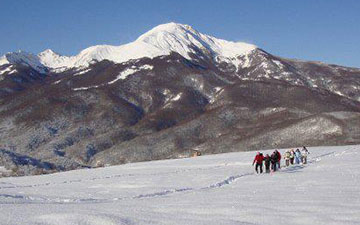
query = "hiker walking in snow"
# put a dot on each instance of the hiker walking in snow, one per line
(304, 154)
(292, 156)
(287, 158)
(267, 161)
(279, 158)
(274, 159)
(297, 156)
(259, 162)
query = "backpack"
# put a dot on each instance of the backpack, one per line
(304, 152)
(287, 155)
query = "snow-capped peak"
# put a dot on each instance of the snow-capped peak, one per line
(48, 54)
(161, 40)
(181, 38)
(3, 60)
(23, 58)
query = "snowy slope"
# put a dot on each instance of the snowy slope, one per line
(161, 40)
(23, 58)
(4, 60)
(217, 189)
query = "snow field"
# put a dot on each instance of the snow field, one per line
(214, 189)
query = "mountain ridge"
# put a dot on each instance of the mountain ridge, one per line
(161, 40)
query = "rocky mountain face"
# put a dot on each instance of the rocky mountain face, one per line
(169, 93)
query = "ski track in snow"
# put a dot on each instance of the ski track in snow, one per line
(227, 181)
(222, 183)
(103, 177)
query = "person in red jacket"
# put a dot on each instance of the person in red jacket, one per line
(259, 158)
(279, 158)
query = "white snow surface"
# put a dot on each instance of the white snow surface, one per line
(177, 97)
(7, 69)
(216, 189)
(23, 58)
(122, 75)
(82, 72)
(85, 88)
(278, 63)
(3, 60)
(161, 40)
(128, 71)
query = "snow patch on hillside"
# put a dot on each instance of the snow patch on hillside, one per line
(171, 99)
(82, 72)
(124, 74)
(278, 63)
(8, 69)
(57, 82)
(85, 88)
(339, 93)
(177, 97)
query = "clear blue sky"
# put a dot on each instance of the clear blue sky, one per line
(326, 30)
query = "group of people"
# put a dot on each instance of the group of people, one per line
(273, 162)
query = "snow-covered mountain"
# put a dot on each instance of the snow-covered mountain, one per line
(161, 40)
(246, 61)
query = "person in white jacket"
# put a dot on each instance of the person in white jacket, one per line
(304, 154)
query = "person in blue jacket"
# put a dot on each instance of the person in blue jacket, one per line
(297, 156)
